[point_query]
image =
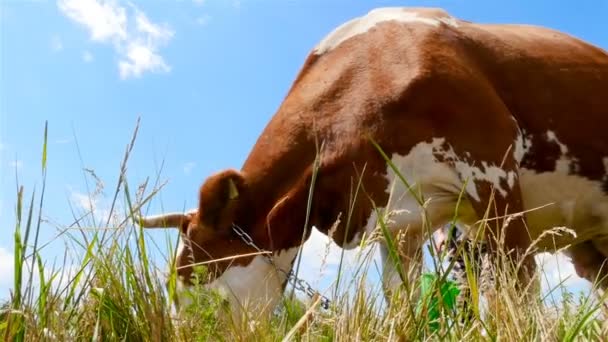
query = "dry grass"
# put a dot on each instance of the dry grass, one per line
(114, 293)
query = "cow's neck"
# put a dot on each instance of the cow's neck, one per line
(271, 171)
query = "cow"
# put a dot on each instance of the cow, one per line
(408, 118)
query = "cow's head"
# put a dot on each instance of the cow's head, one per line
(207, 238)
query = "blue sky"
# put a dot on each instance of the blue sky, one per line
(204, 76)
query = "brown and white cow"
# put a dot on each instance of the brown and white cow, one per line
(521, 111)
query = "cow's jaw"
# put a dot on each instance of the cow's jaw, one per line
(256, 287)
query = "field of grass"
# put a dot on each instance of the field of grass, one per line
(113, 291)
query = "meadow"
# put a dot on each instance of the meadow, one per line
(112, 287)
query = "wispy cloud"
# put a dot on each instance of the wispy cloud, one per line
(203, 19)
(188, 167)
(56, 43)
(94, 206)
(105, 20)
(16, 164)
(199, 2)
(62, 276)
(63, 141)
(7, 270)
(84, 201)
(135, 39)
(87, 56)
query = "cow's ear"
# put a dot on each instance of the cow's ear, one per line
(219, 199)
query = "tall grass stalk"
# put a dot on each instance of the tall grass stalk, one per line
(112, 286)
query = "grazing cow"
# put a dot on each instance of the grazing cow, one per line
(514, 116)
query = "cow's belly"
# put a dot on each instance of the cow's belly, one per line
(554, 199)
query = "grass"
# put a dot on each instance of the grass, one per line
(111, 291)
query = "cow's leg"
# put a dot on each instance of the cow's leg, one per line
(485, 145)
(410, 221)
(401, 264)
(488, 164)
(505, 230)
(458, 246)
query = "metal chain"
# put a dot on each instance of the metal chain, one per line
(298, 283)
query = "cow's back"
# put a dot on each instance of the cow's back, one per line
(403, 78)
(554, 86)
(391, 69)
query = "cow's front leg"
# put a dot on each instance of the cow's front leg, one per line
(502, 221)
(401, 265)
(413, 212)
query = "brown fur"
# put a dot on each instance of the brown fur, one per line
(400, 84)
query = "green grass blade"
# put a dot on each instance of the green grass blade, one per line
(44, 146)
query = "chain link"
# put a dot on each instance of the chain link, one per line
(298, 283)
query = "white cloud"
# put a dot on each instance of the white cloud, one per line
(7, 269)
(56, 43)
(84, 201)
(105, 20)
(321, 259)
(135, 39)
(558, 269)
(96, 206)
(198, 2)
(203, 19)
(62, 141)
(188, 167)
(64, 274)
(141, 58)
(87, 56)
(16, 164)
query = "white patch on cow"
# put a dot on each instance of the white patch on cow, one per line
(487, 172)
(256, 286)
(449, 20)
(567, 200)
(564, 163)
(551, 137)
(430, 181)
(419, 168)
(552, 199)
(434, 182)
(363, 24)
(522, 147)
(511, 178)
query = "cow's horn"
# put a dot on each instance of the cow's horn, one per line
(171, 220)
